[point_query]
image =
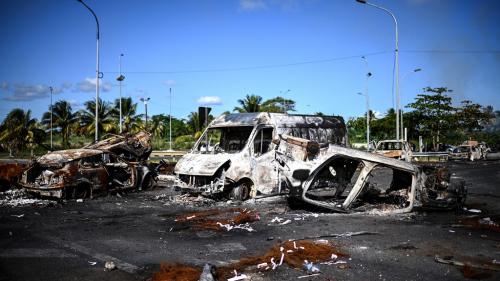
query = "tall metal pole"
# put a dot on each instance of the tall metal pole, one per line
(402, 79)
(120, 79)
(396, 62)
(367, 99)
(51, 117)
(97, 74)
(145, 101)
(368, 75)
(170, 121)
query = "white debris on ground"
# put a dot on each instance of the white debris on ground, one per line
(230, 227)
(19, 198)
(185, 199)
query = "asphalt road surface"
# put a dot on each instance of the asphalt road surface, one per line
(137, 231)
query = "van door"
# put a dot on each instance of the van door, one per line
(264, 172)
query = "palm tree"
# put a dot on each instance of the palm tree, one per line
(193, 123)
(17, 129)
(157, 125)
(106, 124)
(129, 110)
(251, 103)
(63, 118)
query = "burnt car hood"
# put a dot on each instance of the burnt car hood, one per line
(58, 158)
(201, 164)
(132, 147)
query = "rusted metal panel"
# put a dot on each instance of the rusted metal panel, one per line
(11, 171)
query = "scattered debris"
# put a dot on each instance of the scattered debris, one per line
(292, 253)
(486, 223)
(488, 265)
(18, 216)
(209, 273)
(19, 198)
(110, 265)
(310, 267)
(229, 219)
(307, 276)
(336, 235)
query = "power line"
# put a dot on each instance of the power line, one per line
(256, 67)
(319, 61)
(453, 51)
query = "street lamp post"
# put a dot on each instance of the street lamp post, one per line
(285, 105)
(402, 79)
(367, 119)
(120, 79)
(51, 90)
(170, 121)
(396, 62)
(145, 101)
(97, 73)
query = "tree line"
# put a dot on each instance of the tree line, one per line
(20, 131)
(433, 116)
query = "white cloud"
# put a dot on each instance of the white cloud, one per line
(252, 5)
(209, 100)
(378, 114)
(88, 85)
(169, 82)
(26, 92)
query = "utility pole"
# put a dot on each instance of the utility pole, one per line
(396, 61)
(97, 73)
(145, 101)
(367, 119)
(120, 79)
(170, 121)
(51, 90)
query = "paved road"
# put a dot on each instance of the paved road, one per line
(73, 241)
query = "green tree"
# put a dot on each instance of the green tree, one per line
(18, 129)
(435, 111)
(63, 118)
(106, 122)
(129, 110)
(278, 104)
(473, 117)
(251, 103)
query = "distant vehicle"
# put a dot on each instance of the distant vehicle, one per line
(466, 152)
(398, 149)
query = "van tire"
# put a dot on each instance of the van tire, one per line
(241, 192)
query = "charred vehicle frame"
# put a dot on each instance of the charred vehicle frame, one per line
(117, 162)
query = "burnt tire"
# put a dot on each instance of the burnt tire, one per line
(147, 182)
(241, 192)
(81, 191)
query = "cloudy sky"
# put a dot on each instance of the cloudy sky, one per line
(214, 52)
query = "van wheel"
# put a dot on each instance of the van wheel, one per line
(241, 192)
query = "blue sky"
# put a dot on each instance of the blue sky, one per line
(219, 51)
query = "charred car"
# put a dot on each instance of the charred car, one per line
(346, 180)
(236, 153)
(115, 163)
